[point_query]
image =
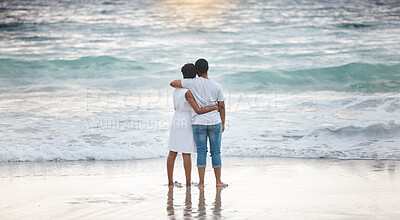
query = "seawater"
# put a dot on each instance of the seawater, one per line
(90, 79)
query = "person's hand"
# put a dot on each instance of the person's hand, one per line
(216, 107)
(223, 127)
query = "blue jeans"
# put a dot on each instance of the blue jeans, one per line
(214, 133)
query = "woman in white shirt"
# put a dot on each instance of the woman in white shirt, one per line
(181, 139)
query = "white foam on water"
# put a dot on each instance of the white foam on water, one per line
(107, 125)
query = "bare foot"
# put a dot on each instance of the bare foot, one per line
(171, 184)
(221, 184)
(200, 185)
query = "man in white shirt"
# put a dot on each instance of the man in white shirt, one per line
(206, 92)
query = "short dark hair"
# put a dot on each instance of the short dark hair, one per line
(202, 66)
(189, 71)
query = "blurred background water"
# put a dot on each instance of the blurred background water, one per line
(90, 79)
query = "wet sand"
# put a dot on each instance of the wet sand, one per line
(260, 188)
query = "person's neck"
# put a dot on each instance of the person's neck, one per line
(204, 75)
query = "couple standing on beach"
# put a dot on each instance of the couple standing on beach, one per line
(199, 115)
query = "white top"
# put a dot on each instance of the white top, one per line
(206, 92)
(181, 137)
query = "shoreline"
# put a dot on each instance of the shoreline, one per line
(259, 187)
(193, 157)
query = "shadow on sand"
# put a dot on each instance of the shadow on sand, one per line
(174, 210)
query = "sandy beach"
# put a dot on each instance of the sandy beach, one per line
(260, 188)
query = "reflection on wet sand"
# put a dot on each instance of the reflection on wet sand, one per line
(170, 202)
(188, 213)
(202, 205)
(217, 204)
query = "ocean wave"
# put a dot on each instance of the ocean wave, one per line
(10, 25)
(352, 77)
(85, 62)
(82, 62)
(378, 130)
(18, 26)
(374, 141)
(354, 25)
(83, 67)
(75, 152)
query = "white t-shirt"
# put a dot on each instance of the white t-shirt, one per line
(206, 92)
